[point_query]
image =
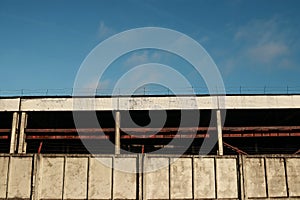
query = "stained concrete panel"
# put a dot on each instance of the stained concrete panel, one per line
(3, 176)
(100, 178)
(156, 178)
(51, 177)
(204, 178)
(293, 176)
(124, 180)
(75, 184)
(20, 177)
(181, 178)
(226, 177)
(276, 177)
(254, 177)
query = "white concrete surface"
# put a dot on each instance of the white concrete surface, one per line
(276, 177)
(9, 104)
(124, 183)
(20, 177)
(293, 176)
(100, 178)
(151, 103)
(82, 177)
(226, 178)
(204, 178)
(3, 176)
(181, 179)
(254, 178)
(51, 177)
(75, 178)
(152, 177)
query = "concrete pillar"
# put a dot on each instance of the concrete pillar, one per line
(219, 130)
(14, 130)
(22, 136)
(117, 132)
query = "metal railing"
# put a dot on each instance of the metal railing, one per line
(152, 91)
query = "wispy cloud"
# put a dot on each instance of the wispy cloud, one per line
(142, 57)
(105, 31)
(263, 41)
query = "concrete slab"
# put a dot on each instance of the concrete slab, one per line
(51, 177)
(226, 177)
(152, 177)
(3, 176)
(293, 176)
(151, 103)
(204, 178)
(75, 184)
(254, 177)
(181, 178)
(20, 177)
(276, 177)
(10, 104)
(124, 182)
(100, 178)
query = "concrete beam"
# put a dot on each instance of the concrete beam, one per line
(14, 130)
(151, 103)
(219, 130)
(22, 136)
(9, 104)
(117, 132)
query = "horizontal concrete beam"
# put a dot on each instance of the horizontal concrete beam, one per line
(151, 103)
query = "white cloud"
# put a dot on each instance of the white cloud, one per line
(263, 41)
(104, 31)
(143, 57)
(268, 52)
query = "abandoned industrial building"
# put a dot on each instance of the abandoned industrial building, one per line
(254, 156)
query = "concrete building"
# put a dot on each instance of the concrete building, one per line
(254, 155)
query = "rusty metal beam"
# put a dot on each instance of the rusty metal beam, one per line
(235, 149)
(166, 129)
(5, 130)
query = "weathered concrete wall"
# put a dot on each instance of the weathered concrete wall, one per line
(189, 177)
(150, 103)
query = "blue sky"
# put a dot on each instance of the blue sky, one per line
(254, 43)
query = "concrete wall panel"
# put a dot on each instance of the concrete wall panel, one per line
(20, 177)
(100, 178)
(75, 185)
(3, 176)
(204, 178)
(226, 177)
(181, 178)
(293, 176)
(125, 180)
(276, 177)
(254, 177)
(155, 173)
(51, 177)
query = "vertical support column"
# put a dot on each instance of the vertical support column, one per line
(219, 130)
(14, 130)
(117, 132)
(22, 136)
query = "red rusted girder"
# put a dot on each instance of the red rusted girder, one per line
(276, 129)
(5, 130)
(64, 137)
(235, 149)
